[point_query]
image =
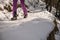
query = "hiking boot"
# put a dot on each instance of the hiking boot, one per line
(14, 18)
(25, 16)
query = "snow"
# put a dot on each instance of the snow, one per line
(36, 26)
(37, 29)
(32, 30)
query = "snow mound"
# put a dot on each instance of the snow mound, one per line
(36, 26)
(5, 15)
(35, 29)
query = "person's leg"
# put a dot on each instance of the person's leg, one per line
(14, 7)
(24, 8)
(14, 10)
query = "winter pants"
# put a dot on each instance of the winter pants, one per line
(22, 5)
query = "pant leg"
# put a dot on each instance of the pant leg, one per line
(23, 7)
(14, 7)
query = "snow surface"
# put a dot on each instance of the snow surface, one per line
(36, 26)
(32, 30)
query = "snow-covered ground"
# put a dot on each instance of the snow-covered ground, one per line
(36, 26)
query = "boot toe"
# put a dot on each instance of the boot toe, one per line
(14, 18)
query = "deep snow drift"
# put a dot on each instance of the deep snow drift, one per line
(36, 26)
